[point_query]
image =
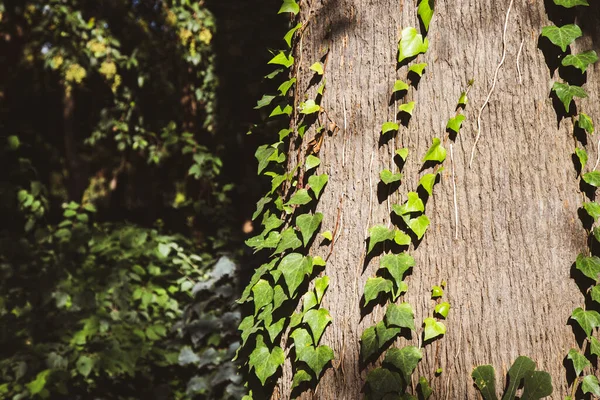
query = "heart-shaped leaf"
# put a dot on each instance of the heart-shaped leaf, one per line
(592, 178)
(587, 320)
(537, 385)
(433, 329)
(400, 86)
(590, 385)
(413, 204)
(308, 225)
(417, 225)
(265, 362)
(436, 152)
(566, 92)
(581, 60)
(400, 315)
(289, 241)
(397, 265)
(385, 334)
(485, 380)
(379, 234)
(374, 287)
(263, 295)
(411, 44)
(317, 320)
(589, 266)
(382, 381)
(455, 123)
(407, 107)
(312, 162)
(442, 309)
(294, 267)
(425, 12)
(309, 107)
(299, 377)
(389, 127)
(579, 361)
(317, 182)
(300, 198)
(562, 36)
(388, 176)
(405, 360)
(427, 181)
(401, 238)
(417, 68)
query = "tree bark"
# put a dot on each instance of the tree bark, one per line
(508, 272)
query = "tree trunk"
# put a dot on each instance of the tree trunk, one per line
(508, 268)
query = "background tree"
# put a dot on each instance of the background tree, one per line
(502, 232)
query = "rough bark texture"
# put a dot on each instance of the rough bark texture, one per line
(508, 273)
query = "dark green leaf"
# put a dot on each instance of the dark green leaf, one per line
(405, 360)
(400, 315)
(368, 343)
(590, 385)
(379, 234)
(485, 380)
(522, 367)
(382, 381)
(289, 241)
(589, 266)
(537, 385)
(374, 287)
(593, 209)
(300, 198)
(579, 361)
(385, 334)
(263, 295)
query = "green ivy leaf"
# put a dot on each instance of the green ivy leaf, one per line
(318, 68)
(400, 316)
(265, 362)
(389, 127)
(595, 346)
(454, 124)
(425, 12)
(368, 343)
(285, 87)
(264, 101)
(309, 107)
(588, 320)
(436, 292)
(522, 367)
(275, 329)
(282, 59)
(327, 235)
(279, 297)
(378, 234)
(417, 68)
(590, 385)
(321, 88)
(397, 265)
(581, 60)
(417, 225)
(562, 36)
(294, 267)
(315, 358)
(388, 176)
(84, 365)
(270, 222)
(596, 233)
(413, 204)
(317, 182)
(593, 209)
(424, 388)
(283, 133)
(442, 309)
(321, 285)
(289, 241)
(312, 162)
(589, 266)
(428, 180)
(317, 320)
(290, 34)
(592, 178)
(582, 156)
(400, 86)
(299, 377)
(385, 334)
(300, 198)
(571, 3)
(260, 271)
(579, 361)
(585, 122)
(287, 110)
(537, 385)
(402, 153)
(308, 225)
(382, 381)
(401, 238)
(595, 294)
(263, 155)
(433, 328)
(463, 99)
(485, 380)
(411, 44)
(405, 360)
(263, 295)
(407, 107)
(38, 384)
(309, 300)
(374, 286)
(566, 92)
(436, 152)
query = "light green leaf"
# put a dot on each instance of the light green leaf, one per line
(571, 3)
(263, 295)
(433, 328)
(327, 235)
(455, 123)
(290, 34)
(263, 155)
(309, 107)
(588, 320)
(417, 225)
(289, 6)
(400, 86)
(321, 87)
(589, 266)
(282, 59)
(379, 234)
(265, 362)
(315, 358)
(285, 87)
(522, 367)
(579, 361)
(375, 286)
(317, 182)
(595, 294)
(84, 365)
(283, 133)
(400, 316)
(38, 384)
(286, 110)
(264, 101)
(308, 224)
(309, 300)
(273, 330)
(407, 107)
(595, 346)
(260, 271)
(312, 162)
(442, 309)
(317, 320)
(401, 238)
(294, 267)
(413, 204)
(593, 209)
(436, 292)
(300, 198)
(405, 359)
(436, 152)
(428, 180)
(389, 127)
(485, 380)
(425, 12)
(279, 297)
(424, 388)
(585, 122)
(321, 285)
(317, 67)
(463, 100)
(582, 156)
(592, 178)
(299, 377)
(397, 265)
(289, 241)
(590, 385)
(562, 36)
(403, 153)
(537, 385)
(418, 68)
(566, 92)
(411, 44)
(581, 60)
(382, 381)
(388, 176)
